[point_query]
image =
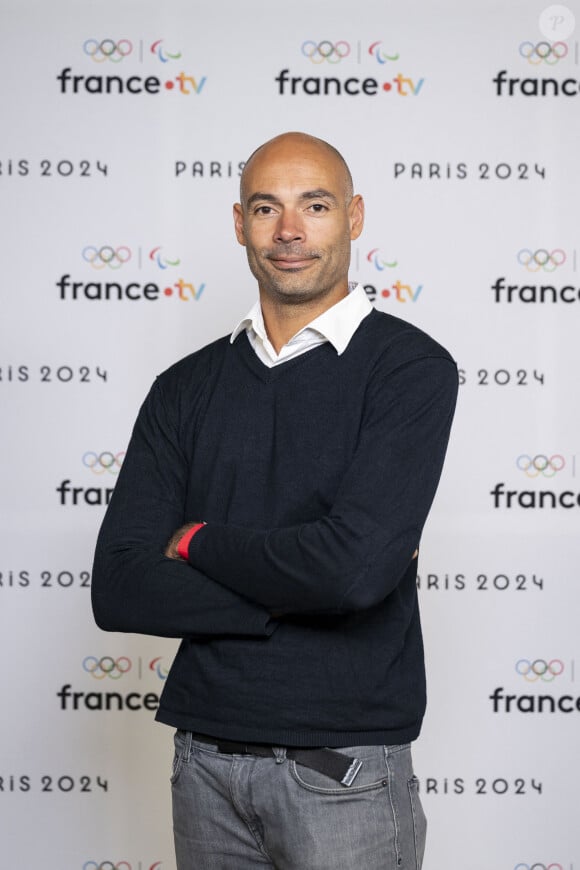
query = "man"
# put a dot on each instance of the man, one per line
(291, 467)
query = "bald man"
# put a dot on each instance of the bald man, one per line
(269, 512)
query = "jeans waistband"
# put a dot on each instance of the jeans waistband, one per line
(341, 768)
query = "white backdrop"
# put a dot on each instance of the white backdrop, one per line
(472, 183)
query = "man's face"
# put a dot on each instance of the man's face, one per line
(297, 220)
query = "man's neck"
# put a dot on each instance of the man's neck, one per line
(282, 320)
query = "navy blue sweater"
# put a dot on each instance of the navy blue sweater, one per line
(315, 478)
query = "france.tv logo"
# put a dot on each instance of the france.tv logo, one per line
(117, 55)
(329, 56)
(168, 282)
(543, 56)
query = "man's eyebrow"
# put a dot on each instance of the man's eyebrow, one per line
(261, 197)
(319, 193)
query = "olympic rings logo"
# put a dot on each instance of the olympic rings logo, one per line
(543, 52)
(538, 867)
(325, 50)
(107, 49)
(539, 670)
(541, 259)
(106, 461)
(106, 666)
(106, 256)
(106, 865)
(120, 865)
(533, 466)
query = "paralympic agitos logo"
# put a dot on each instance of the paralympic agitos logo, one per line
(324, 55)
(108, 260)
(119, 58)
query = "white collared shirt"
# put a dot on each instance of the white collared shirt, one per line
(336, 325)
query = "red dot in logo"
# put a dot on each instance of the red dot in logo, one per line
(169, 85)
(387, 86)
(168, 291)
(386, 293)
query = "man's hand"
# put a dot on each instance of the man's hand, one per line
(171, 548)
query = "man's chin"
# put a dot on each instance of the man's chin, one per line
(292, 294)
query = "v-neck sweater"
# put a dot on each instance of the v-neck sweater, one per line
(298, 605)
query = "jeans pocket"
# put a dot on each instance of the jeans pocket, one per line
(180, 742)
(419, 820)
(372, 775)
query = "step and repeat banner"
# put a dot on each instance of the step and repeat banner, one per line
(124, 130)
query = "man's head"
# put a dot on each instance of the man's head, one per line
(297, 217)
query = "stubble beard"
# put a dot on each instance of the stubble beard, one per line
(291, 287)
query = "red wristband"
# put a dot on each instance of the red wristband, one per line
(183, 545)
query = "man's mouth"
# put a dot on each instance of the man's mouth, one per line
(291, 262)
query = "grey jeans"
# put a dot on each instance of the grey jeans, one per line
(236, 812)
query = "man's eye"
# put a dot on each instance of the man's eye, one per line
(318, 207)
(263, 209)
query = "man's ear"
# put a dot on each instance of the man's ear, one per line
(239, 224)
(356, 216)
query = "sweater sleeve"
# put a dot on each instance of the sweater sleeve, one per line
(353, 557)
(134, 586)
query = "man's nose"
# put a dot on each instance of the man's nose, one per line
(289, 227)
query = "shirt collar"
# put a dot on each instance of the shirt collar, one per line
(337, 324)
